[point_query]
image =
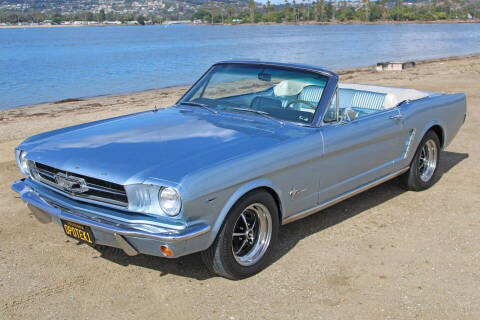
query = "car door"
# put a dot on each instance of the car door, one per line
(360, 151)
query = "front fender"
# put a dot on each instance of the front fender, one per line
(240, 192)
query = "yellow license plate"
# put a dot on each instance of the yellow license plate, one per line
(78, 231)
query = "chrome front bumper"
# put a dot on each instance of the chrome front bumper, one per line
(133, 236)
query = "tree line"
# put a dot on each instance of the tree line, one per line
(323, 11)
(294, 12)
(14, 17)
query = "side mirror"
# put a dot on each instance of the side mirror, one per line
(350, 114)
(346, 115)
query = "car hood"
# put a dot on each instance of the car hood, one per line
(168, 144)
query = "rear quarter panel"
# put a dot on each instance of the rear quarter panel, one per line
(445, 110)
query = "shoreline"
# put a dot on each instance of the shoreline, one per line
(340, 72)
(313, 23)
(357, 22)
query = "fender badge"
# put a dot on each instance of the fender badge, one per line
(294, 192)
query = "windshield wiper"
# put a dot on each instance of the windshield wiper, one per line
(197, 104)
(263, 113)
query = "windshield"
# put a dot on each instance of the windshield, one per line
(279, 93)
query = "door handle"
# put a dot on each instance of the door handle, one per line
(396, 117)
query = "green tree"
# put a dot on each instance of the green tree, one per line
(287, 10)
(376, 12)
(201, 14)
(367, 10)
(222, 11)
(237, 5)
(267, 10)
(330, 11)
(251, 7)
(141, 20)
(295, 11)
(213, 11)
(398, 9)
(101, 15)
(322, 10)
(230, 12)
(57, 18)
(303, 12)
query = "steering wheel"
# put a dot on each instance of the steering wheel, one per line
(311, 105)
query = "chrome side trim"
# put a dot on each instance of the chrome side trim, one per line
(409, 144)
(305, 213)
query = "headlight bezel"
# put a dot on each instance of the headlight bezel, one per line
(145, 198)
(22, 162)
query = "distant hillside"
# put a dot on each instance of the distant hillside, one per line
(114, 5)
(233, 11)
(113, 9)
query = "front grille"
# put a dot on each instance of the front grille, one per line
(94, 189)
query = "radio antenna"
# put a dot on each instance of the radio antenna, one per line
(157, 75)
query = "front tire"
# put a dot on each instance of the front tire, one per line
(424, 167)
(246, 240)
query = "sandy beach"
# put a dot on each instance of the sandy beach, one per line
(384, 254)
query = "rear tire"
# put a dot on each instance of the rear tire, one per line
(246, 240)
(424, 167)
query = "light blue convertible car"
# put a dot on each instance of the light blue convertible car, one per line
(250, 146)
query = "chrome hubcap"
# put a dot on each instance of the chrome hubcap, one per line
(427, 162)
(251, 234)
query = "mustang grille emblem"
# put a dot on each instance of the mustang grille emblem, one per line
(70, 183)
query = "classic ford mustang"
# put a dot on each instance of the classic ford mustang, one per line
(250, 146)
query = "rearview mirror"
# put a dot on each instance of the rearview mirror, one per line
(264, 76)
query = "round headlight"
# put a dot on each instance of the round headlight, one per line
(169, 201)
(23, 163)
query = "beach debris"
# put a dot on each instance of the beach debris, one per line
(68, 100)
(395, 66)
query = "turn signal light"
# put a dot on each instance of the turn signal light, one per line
(166, 251)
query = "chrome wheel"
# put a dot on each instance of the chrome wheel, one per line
(251, 234)
(427, 162)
